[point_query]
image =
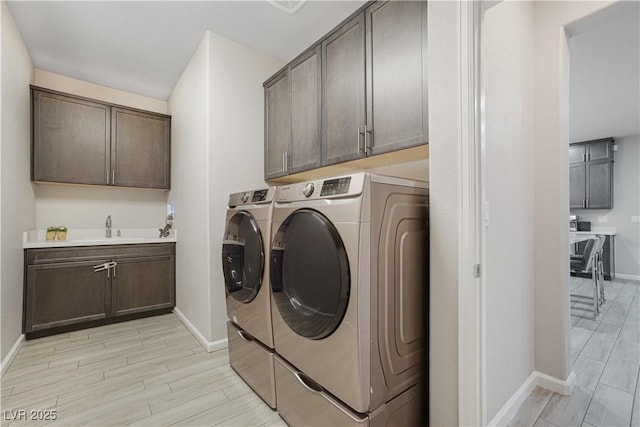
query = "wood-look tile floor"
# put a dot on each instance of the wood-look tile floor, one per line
(606, 360)
(146, 372)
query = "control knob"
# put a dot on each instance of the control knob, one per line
(245, 197)
(307, 191)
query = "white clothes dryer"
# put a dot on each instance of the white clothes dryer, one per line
(245, 254)
(349, 269)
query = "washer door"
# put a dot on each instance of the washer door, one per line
(242, 257)
(310, 276)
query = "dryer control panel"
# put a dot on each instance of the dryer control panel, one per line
(331, 188)
(334, 187)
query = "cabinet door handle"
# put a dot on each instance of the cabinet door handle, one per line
(360, 132)
(587, 202)
(113, 176)
(367, 139)
(285, 161)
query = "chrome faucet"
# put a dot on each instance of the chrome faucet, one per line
(107, 225)
(164, 232)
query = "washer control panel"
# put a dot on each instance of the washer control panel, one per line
(260, 195)
(334, 187)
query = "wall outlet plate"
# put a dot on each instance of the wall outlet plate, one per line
(615, 147)
(603, 219)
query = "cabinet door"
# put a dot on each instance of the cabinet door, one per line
(397, 101)
(277, 126)
(577, 186)
(71, 139)
(599, 188)
(306, 146)
(577, 153)
(343, 66)
(599, 150)
(143, 284)
(65, 293)
(141, 149)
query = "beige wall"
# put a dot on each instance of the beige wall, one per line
(236, 145)
(507, 70)
(102, 93)
(551, 189)
(87, 207)
(189, 108)
(217, 108)
(17, 203)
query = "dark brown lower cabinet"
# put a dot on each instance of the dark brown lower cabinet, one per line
(67, 286)
(65, 293)
(142, 284)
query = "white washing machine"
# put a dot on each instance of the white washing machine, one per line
(349, 274)
(245, 255)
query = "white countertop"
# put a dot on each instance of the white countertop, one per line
(607, 231)
(95, 237)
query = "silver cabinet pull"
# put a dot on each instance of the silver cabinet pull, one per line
(285, 161)
(113, 176)
(360, 132)
(367, 139)
(587, 203)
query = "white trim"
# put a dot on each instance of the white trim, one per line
(8, 360)
(209, 346)
(627, 277)
(471, 364)
(536, 379)
(564, 387)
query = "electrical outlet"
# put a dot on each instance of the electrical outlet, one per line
(635, 218)
(615, 147)
(602, 219)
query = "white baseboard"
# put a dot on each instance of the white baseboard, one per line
(627, 277)
(6, 362)
(209, 346)
(536, 379)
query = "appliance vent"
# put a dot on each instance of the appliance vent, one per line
(289, 6)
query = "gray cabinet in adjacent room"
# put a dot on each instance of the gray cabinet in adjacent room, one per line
(591, 174)
(81, 141)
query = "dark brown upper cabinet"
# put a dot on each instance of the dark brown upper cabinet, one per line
(82, 141)
(372, 79)
(292, 117)
(397, 107)
(591, 174)
(277, 125)
(71, 139)
(140, 149)
(344, 93)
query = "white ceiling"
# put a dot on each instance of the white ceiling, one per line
(605, 73)
(143, 46)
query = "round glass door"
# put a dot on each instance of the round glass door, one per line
(242, 257)
(310, 276)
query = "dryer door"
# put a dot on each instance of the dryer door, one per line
(310, 276)
(242, 257)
